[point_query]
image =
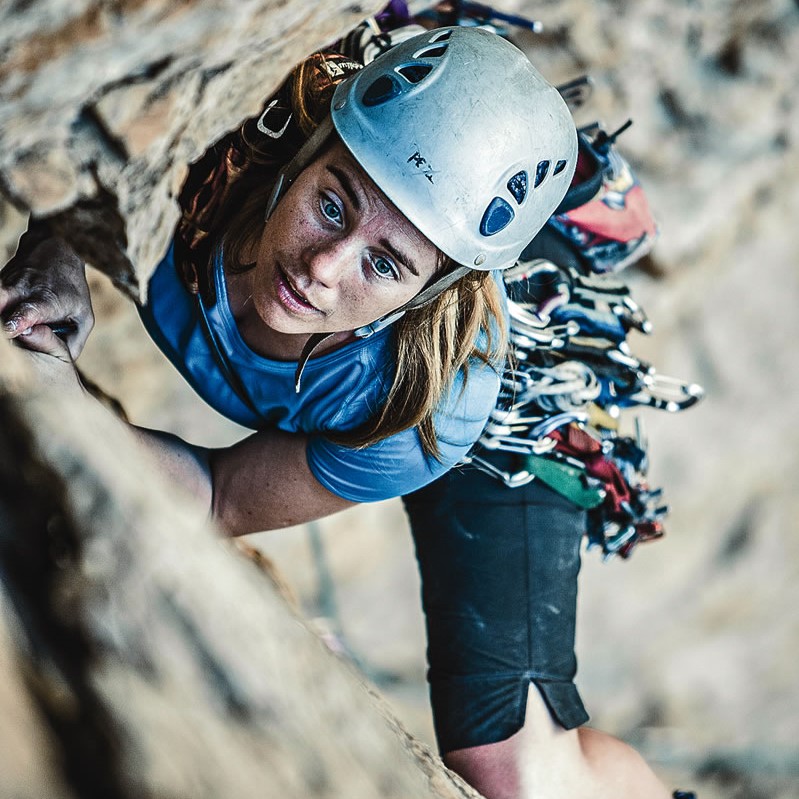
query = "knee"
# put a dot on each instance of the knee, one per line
(526, 763)
(492, 769)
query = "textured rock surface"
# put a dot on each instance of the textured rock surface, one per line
(147, 658)
(130, 661)
(102, 105)
(689, 650)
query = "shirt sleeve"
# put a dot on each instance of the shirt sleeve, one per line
(397, 465)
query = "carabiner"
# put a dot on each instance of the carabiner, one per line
(511, 479)
(667, 393)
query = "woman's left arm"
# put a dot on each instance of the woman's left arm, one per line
(261, 483)
(49, 358)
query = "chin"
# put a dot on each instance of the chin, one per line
(278, 319)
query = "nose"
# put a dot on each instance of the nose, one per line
(330, 261)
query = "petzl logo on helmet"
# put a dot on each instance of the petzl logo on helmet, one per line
(422, 164)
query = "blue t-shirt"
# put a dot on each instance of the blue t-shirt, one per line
(340, 390)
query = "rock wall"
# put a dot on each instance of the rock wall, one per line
(130, 661)
(102, 106)
(142, 656)
(689, 649)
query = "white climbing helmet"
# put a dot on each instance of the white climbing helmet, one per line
(466, 139)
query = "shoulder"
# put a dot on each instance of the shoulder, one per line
(465, 408)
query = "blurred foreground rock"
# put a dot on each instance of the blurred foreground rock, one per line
(142, 656)
(689, 650)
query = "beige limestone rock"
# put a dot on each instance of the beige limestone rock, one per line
(689, 649)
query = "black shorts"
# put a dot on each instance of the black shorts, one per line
(499, 587)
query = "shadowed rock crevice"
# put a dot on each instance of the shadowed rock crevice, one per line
(41, 566)
(101, 108)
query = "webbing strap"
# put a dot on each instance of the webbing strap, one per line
(233, 379)
(314, 340)
(304, 156)
(424, 297)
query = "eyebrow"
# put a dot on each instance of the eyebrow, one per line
(346, 184)
(400, 256)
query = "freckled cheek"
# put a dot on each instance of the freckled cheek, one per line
(289, 224)
(353, 299)
(359, 304)
(375, 305)
(286, 244)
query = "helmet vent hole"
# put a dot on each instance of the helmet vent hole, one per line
(517, 186)
(559, 167)
(541, 172)
(381, 90)
(415, 73)
(441, 36)
(497, 217)
(436, 51)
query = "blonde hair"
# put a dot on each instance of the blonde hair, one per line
(464, 325)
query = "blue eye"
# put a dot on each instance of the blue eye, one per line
(384, 268)
(331, 210)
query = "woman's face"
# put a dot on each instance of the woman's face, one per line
(336, 254)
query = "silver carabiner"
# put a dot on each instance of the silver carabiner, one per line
(521, 446)
(667, 393)
(552, 423)
(634, 314)
(511, 479)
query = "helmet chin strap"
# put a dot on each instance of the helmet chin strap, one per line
(285, 178)
(304, 156)
(424, 297)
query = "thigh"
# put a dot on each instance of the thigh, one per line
(499, 573)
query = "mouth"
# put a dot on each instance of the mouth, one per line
(291, 296)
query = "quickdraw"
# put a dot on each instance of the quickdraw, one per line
(572, 370)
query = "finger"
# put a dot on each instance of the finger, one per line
(70, 333)
(23, 317)
(8, 296)
(40, 338)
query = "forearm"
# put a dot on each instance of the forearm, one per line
(175, 460)
(261, 483)
(38, 231)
